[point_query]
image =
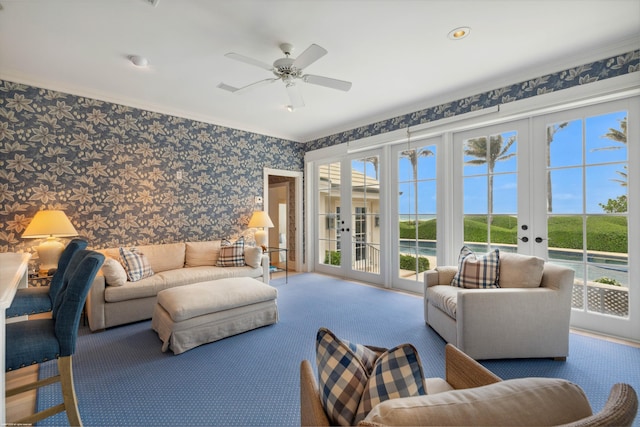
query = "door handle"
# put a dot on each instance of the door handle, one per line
(539, 239)
(342, 229)
(524, 239)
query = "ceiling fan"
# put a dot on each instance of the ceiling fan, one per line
(289, 70)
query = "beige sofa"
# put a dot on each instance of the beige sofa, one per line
(174, 264)
(472, 395)
(523, 318)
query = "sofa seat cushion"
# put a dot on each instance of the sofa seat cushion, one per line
(186, 302)
(444, 297)
(147, 287)
(436, 385)
(518, 402)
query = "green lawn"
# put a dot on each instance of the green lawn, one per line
(605, 233)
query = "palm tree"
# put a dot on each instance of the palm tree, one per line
(620, 136)
(497, 150)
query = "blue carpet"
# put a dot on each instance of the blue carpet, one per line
(123, 379)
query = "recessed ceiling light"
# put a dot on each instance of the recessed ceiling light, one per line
(139, 61)
(290, 108)
(459, 33)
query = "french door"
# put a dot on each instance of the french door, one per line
(349, 228)
(585, 211)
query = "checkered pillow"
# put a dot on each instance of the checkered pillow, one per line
(231, 254)
(342, 375)
(135, 264)
(397, 373)
(477, 272)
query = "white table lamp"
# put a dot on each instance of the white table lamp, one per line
(49, 224)
(260, 220)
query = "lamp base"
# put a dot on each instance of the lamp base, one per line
(261, 238)
(49, 253)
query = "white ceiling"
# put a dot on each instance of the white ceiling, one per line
(396, 53)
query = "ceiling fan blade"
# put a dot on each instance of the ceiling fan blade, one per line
(309, 56)
(240, 90)
(294, 96)
(327, 82)
(249, 61)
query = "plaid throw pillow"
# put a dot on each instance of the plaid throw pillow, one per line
(231, 254)
(397, 373)
(354, 378)
(135, 264)
(477, 272)
(342, 376)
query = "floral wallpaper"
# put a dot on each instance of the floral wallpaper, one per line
(126, 176)
(584, 74)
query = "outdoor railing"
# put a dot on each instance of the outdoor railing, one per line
(601, 298)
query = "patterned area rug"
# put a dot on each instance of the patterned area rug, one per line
(123, 379)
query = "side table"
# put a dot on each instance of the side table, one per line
(36, 280)
(270, 251)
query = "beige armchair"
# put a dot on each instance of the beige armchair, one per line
(502, 323)
(472, 395)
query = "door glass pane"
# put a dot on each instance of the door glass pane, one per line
(587, 209)
(329, 214)
(365, 207)
(490, 192)
(417, 211)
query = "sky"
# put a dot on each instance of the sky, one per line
(580, 140)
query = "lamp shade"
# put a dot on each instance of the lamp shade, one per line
(49, 223)
(260, 219)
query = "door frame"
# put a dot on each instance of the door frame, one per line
(299, 264)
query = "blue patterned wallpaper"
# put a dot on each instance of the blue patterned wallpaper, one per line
(112, 169)
(584, 74)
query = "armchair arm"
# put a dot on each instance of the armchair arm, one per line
(311, 410)
(95, 303)
(619, 410)
(461, 371)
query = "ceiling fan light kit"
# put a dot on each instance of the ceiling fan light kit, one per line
(289, 71)
(139, 61)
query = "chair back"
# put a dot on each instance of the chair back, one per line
(56, 281)
(77, 280)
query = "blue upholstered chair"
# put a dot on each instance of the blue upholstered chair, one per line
(40, 340)
(40, 300)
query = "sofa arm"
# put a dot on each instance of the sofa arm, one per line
(95, 303)
(311, 410)
(266, 263)
(461, 371)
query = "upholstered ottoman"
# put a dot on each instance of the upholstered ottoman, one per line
(188, 316)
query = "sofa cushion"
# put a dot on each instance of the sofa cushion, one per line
(135, 264)
(168, 256)
(397, 373)
(148, 287)
(341, 375)
(202, 253)
(477, 272)
(520, 271)
(444, 297)
(354, 378)
(114, 273)
(231, 255)
(518, 402)
(253, 256)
